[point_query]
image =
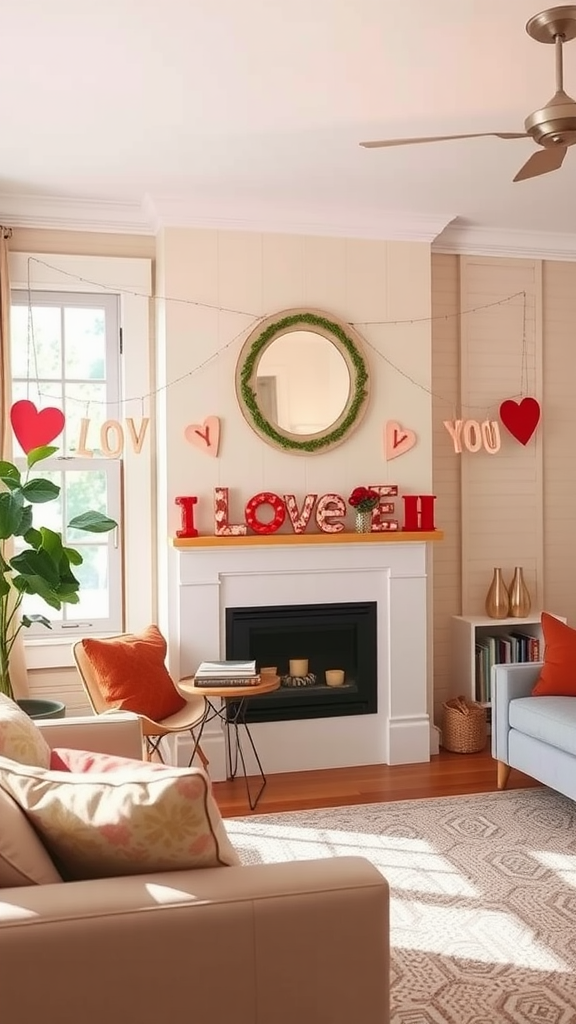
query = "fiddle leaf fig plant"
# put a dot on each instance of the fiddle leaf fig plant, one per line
(44, 565)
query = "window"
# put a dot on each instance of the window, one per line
(66, 353)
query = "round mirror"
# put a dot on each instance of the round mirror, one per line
(301, 381)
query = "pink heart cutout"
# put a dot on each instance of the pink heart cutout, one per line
(34, 428)
(520, 418)
(205, 436)
(397, 440)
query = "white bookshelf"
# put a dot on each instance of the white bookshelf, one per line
(467, 630)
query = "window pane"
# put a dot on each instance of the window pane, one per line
(85, 490)
(94, 587)
(34, 605)
(85, 401)
(48, 513)
(36, 349)
(85, 343)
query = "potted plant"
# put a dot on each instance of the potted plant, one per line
(44, 566)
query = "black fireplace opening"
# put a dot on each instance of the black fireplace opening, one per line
(329, 636)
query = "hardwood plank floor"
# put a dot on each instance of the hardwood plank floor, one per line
(445, 775)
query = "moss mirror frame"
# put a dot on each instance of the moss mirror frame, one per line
(348, 343)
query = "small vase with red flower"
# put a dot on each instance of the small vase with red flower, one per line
(363, 500)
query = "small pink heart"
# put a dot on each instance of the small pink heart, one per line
(205, 436)
(34, 428)
(520, 418)
(397, 440)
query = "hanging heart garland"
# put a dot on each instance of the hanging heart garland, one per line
(34, 427)
(205, 436)
(397, 440)
(520, 418)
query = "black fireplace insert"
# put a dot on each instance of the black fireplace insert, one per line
(328, 636)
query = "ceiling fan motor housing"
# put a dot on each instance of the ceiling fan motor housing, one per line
(555, 124)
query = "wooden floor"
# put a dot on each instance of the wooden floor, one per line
(445, 775)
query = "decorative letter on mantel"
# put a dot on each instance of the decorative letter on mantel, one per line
(222, 527)
(187, 508)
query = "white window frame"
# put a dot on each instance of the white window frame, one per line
(131, 280)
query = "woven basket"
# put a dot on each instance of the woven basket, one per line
(464, 727)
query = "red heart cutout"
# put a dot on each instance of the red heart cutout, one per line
(35, 428)
(520, 418)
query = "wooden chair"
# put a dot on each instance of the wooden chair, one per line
(184, 720)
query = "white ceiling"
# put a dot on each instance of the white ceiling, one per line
(251, 111)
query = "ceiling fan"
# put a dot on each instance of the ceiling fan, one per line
(553, 127)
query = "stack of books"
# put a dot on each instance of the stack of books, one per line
(226, 673)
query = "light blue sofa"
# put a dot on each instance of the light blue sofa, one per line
(537, 735)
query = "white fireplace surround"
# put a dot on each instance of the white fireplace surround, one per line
(214, 577)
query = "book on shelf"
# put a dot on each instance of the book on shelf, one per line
(505, 649)
(220, 683)
(226, 670)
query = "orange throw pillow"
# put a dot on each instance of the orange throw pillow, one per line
(132, 675)
(558, 675)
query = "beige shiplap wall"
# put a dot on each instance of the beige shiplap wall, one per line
(501, 493)
(516, 507)
(446, 467)
(559, 437)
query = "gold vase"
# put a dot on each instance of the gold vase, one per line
(497, 598)
(363, 520)
(520, 603)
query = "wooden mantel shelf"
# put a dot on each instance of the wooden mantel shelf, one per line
(282, 539)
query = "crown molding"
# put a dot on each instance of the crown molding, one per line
(67, 214)
(232, 215)
(475, 240)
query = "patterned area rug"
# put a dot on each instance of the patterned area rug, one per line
(483, 897)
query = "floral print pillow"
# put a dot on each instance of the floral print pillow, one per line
(20, 739)
(97, 825)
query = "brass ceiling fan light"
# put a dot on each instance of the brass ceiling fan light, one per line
(553, 127)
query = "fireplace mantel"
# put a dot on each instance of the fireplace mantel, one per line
(344, 537)
(391, 570)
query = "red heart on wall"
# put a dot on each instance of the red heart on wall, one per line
(520, 418)
(34, 427)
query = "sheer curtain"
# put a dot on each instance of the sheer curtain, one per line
(18, 673)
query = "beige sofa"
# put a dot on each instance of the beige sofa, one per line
(299, 943)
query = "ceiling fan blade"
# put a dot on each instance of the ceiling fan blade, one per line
(443, 138)
(542, 161)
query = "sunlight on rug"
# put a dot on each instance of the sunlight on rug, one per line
(483, 897)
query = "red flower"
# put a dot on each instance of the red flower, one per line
(363, 498)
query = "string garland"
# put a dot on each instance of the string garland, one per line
(256, 318)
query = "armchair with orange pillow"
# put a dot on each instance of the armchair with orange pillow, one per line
(128, 673)
(534, 712)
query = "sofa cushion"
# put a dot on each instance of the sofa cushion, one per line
(549, 719)
(20, 739)
(132, 675)
(558, 675)
(122, 823)
(67, 759)
(23, 859)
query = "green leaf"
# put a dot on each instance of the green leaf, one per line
(4, 586)
(9, 472)
(36, 585)
(37, 454)
(93, 522)
(39, 491)
(37, 564)
(25, 522)
(74, 557)
(52, 543)
(27, 620)
(33, 538)
(10, 513)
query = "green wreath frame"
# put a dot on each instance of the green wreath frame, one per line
(348, 343)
